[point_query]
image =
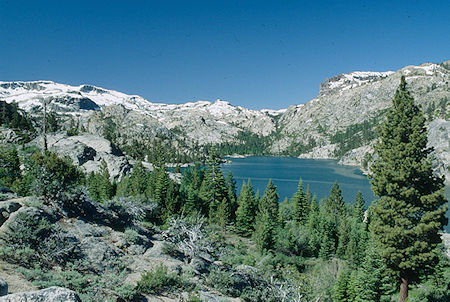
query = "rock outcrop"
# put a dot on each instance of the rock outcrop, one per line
(3, 287)
(87, 151)
(51, 294)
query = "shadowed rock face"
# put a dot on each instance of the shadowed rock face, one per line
(3, 287)
(51, 294)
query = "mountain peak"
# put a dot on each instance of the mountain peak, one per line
(350, 80)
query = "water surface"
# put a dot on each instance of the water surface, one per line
(285, 173)
(320, 174)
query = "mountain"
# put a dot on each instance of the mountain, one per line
(339, 123)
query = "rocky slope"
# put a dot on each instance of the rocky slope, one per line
(338, 123)
(110, 246)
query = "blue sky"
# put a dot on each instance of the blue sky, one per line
(258, 54)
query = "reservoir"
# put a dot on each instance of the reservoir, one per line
(285, 173)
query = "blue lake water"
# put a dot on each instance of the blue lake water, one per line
(285, 173)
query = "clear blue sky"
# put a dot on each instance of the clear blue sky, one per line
(258, 54)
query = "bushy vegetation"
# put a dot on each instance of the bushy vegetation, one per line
(12, 117)
(158, 281)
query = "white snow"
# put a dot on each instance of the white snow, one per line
(354, 79)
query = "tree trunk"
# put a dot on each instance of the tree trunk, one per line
(404, 289)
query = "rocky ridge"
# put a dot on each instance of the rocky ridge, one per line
(345, 101)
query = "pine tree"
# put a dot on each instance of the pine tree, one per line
(172, 197)
(9, 166)
(232, 198)
(245, 214)
(138, 180)
(314, 227)
(4, 117)
(301, 205)
(269, 201)
(266, 220)
(341, 290)
(370, 277)
(327, 238)
(308, 194)
(191, 202)
(106, 190)
(335, 203)
(411, 208)
(358, 207)
(285, 211)
(343, 238)
(223, 214)
(213, 188)
(356, 246)
(264, 231)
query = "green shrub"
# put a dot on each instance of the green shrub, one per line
(131, 235)
(32, 239)
(90, 287)
(27, 231)
(158, 280)
(25, 256)
(170, 249)
(194, 298)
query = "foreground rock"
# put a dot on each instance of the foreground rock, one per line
(51, 294)
(3, 287)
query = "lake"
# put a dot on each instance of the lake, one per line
(285, 173)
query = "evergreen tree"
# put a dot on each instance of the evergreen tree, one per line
(106, 189)
(161, 186)
(341, 290)
(4, 116)
(301, 205)
(328, 231)
(53, 176)
(245, 214)
(172, 198)
(343, 238)
(190, 206)
(232, 198)
(213, 188)
(314, 227)
(370, 277)
(356, 246)
(266, 220)
(264, 231)
(52, 122)
(358, 207)
(9, 166)
(308, 194)
(189, 188)
(327, 238)
(138, 180)
(269, 201)
(411, 208)
(335, 203)
(285, 211)
(223, 214)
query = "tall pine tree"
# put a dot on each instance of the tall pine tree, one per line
(301, 205)
(245, 214)
(213, 189)
(411, 208)
(266, 220)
